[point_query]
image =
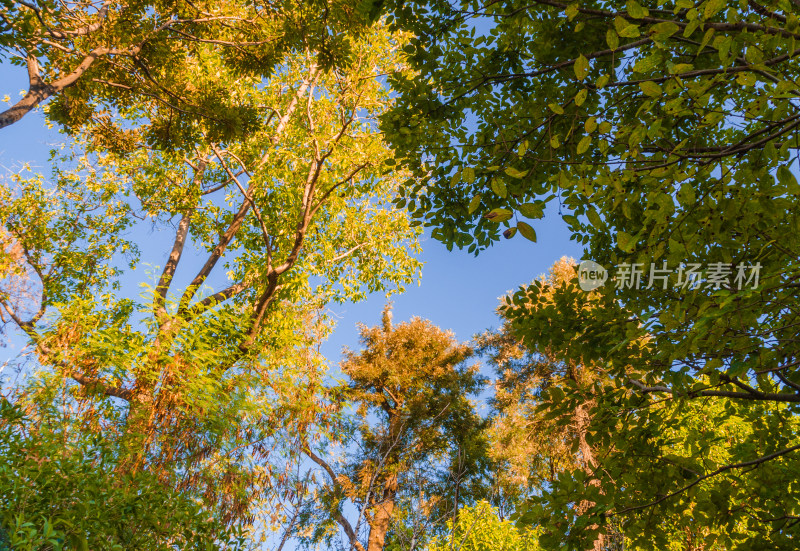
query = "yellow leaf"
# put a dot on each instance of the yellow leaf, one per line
(581, 67)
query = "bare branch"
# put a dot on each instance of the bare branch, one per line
(247, 196)
(347, 253)
(211, 301)
(174, 257)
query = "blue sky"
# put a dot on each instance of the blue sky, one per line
(458, 291)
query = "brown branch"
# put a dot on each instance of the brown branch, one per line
(211, 301)
(284, 120)
(761, 10)
(338, 184)
(785, 380)
(38, 91)
(347, 253)
(232, 177)
(177, 250)
(216, 254)
(97, 384)
(102, 13)
(172, 262)
(751, 463)
(260, 311)
(343, 522)
(750, 395)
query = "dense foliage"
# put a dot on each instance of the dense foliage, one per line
(60, 491)
(667, 132)
(191, 368)
(95, 58)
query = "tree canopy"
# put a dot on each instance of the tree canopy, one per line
(197, 373)
(420, 450)
(96, 58)
(231, 170)
(667, 133)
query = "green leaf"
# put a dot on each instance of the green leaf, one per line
(474, 203)
(556, 108)
(650, 88)
(594, 218)
(556, 394)
(636, 10)
(499, 187)
(665, 29)
(468, 175)
(746, 79)
(498, 215)
(571, 11)
(581, 67)
(527, 231)
(563, 180)
(531, 210)
(631, 31)
(681, 68)
(514, 173)
(625, 241)
(580, 97)
(788, 180)
(625, 28)
(686, 195)
(647, 64)
(713, 7)
(612, 39)
(584, 144)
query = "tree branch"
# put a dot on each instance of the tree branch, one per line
(752, 394)
(172, 263)
(343, 522)
(754, 462)
(216, 254)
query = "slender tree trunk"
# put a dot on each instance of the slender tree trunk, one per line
(383, 516)
(588, 463)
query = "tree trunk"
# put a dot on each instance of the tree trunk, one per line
(588, 463)
(383, 516)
